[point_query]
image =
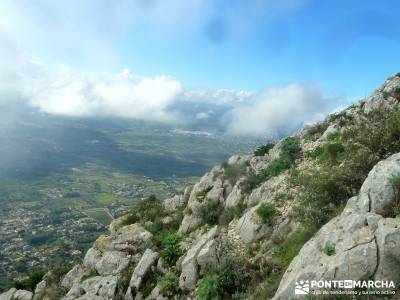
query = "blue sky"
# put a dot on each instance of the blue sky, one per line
(345, 46)
(345, 49)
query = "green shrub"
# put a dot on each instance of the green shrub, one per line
(333, 136)
(149, 283)
(268, 287)
(145, 210)
(92, 273)
(267, 213)
(251, 182)
(397, 74)
(327, 187)
(331, 152)
(329, 249)
(232, 277)
(169, 285)
(210, 212)
(354, 106)
(317, 129)
(264, 149)
(314, 153)
(201, 195)
(234, 172)
(396, 93)
(281, 198)
(323, 190)
(385, 94)
(310, 138)
(29, 283)
(290, 147)
(56, 274)
(208, 288)
(276, 167)
(171, 248)
(291, 245)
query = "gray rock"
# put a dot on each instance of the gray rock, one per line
(366, 244)
(98, 287)
(330, 130)
(22, 295)
(148, 259)
(249, 227)
(155, 294)
(8, 295)
(355, 255)
(110, 255)
(173, 204)
(106, 263)
(116, 224)
(40, 291)
(189, 266)
(379, 185)
(75, 275)
(388, 242)
(234, 198)
(207, 258)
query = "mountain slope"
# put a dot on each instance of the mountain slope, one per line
(307, 207)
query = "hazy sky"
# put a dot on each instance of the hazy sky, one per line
(137, 58)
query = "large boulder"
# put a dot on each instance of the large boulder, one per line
(148, 259)
(361, 243)
(210, 189)
(110, 255)
(8, 295)
(107, 262)
(75, 275)
(388, 243)
(97, 287)
(14, 294)
(190, 264)
(379, 185)
(250, 228)
(22, 295)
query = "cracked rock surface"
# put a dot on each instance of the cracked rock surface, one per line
(364, 238)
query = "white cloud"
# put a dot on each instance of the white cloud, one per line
(61, 89)
(277, 111)
(67, 92)
(202, 115)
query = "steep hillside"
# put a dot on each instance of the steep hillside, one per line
(321, 204)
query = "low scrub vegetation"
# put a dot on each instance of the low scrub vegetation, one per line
(281, 198)
(329, 249)
(264, 149)
(169, 285)
(266, 213)
(233, 172)
(290, 150)
(344, 163)
(230, 279)
(171, 248)
(210, 212)
(288, 248)
(29, 283)
(145, 210)
(208, 288)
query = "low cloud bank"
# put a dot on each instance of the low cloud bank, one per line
(277, 111)
(63, 90)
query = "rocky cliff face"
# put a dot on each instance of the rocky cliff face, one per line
(321, 204)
